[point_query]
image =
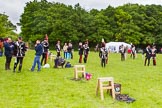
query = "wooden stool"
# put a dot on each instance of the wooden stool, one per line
(79, 69)
(105, 83)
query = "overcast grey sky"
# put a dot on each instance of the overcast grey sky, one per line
(14, 8)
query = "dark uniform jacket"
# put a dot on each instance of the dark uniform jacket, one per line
(80, 50)
(19, 49)
(148, 52)
(8, 49)
(45, 46)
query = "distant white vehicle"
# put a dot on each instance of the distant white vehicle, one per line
(114, 46)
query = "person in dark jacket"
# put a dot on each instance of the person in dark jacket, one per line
(19, 52)
(45, 45)
(8, 46)
(80, 49)
(148, 55)
(39, 51)
(86, 51)
(103, 55)
(122, 50)
(58, 48)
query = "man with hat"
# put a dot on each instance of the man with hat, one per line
(19, 49)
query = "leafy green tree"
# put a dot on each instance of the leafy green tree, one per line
(132, 23)
(6, 27)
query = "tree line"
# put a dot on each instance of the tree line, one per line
(131, 23)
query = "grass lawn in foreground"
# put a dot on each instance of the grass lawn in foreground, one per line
(53, 88)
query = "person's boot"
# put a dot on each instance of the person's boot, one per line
(5, 66)
(20, 66)
(15, 65)
(154, 62)
(8, 66)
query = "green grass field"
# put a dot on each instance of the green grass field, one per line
(53, 88)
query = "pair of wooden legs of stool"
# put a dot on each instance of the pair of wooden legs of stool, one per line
(102, 86)
(79, 69)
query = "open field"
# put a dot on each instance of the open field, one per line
(53, 88)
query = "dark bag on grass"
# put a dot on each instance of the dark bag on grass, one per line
(125, 98)
(68, 65)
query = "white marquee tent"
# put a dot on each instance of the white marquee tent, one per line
(114, 46)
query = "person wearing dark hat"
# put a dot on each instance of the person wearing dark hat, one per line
(8, 46)
(19, 49)
(45, 45)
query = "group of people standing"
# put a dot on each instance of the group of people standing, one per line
(83, 49)
(41, 49)
(150, 53)
(124, 50)
(16, 49)
(67, 50)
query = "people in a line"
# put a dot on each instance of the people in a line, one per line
(58, 48)
(65, 47)
(45, 45)
(86, 51)
(39, 52)
(154, 51)
(103, 54)
(80, 49)
(19, 52)
(148, 55)
(8, 47)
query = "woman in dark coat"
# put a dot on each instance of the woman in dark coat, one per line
(8, 46)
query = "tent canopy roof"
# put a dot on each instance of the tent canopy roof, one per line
(114, 46)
